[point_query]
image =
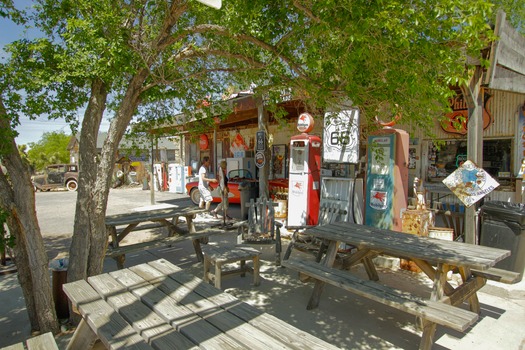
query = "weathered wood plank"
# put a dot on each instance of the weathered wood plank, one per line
(161, 242)
(225, 256)
(144, 283)
(83, 338)
(18, 346)
(413, 246)
(109, 326)
(142, 216)
(156, 331)
(220, 317)
(44, 341)
(433, 311)
(270, 325)
(499, 275)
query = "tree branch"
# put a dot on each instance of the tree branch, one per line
(306, 11)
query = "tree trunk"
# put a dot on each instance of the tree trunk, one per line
(116, 131)
(31, 259)
(88, 248)
(85, 209)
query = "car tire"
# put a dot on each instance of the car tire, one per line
(195, 195)
(71, 185)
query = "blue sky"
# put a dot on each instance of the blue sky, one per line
(31, 130)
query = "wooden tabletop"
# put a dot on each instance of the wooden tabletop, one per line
(410, 246)
(147, 215)
(157, 305)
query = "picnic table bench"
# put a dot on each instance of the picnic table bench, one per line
(159, 306)
(167, 217)
(435, 258)
(261, 226)
(43, 341)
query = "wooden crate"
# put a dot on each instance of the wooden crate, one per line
(441, 233)
(417, 222)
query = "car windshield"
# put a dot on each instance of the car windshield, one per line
(242, 173)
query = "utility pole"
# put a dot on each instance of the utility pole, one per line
(262, 149)
(474, 96)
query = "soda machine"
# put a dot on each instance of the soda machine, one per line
(387, 178)
(177, 177)
(304, 180)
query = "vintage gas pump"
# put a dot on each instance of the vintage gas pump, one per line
(304, 177)
(387, 178)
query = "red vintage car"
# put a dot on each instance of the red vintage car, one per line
(236, 178)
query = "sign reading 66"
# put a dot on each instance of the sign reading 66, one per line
(341, 137)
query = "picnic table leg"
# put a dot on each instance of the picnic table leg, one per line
(112, 232)
(218, 267)
(83, 338)
(370, 269)
(190, 223)
(207, 265)
(431, 273)
(290, 245)
(256, 267)
(321, 251)
(120, 261)
(319, 286)
(278, 247)
(429, 328)
(473, 299)
(356, 257)
(243, 268)
(198, 250)
(427, 339)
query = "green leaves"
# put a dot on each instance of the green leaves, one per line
(51, 149)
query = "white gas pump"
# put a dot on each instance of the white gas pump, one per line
(304, 180)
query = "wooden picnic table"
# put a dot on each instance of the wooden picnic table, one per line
(435, 258)
(168, 217)
(157, 305)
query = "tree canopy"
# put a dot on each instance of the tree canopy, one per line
(386, 57)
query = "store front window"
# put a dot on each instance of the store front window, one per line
(443, 161)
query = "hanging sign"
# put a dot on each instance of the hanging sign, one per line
(260, 159)
(305, 122)
(341, 137)
(470, 183)
(261, 141)
(203, 142)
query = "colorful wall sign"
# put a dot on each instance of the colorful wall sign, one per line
(203, 142)
(456, 121)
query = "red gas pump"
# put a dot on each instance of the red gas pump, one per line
(304, 180)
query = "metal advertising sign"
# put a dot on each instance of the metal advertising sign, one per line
(341, 137)
(261, 141)
(260, 159)
(470, 183)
